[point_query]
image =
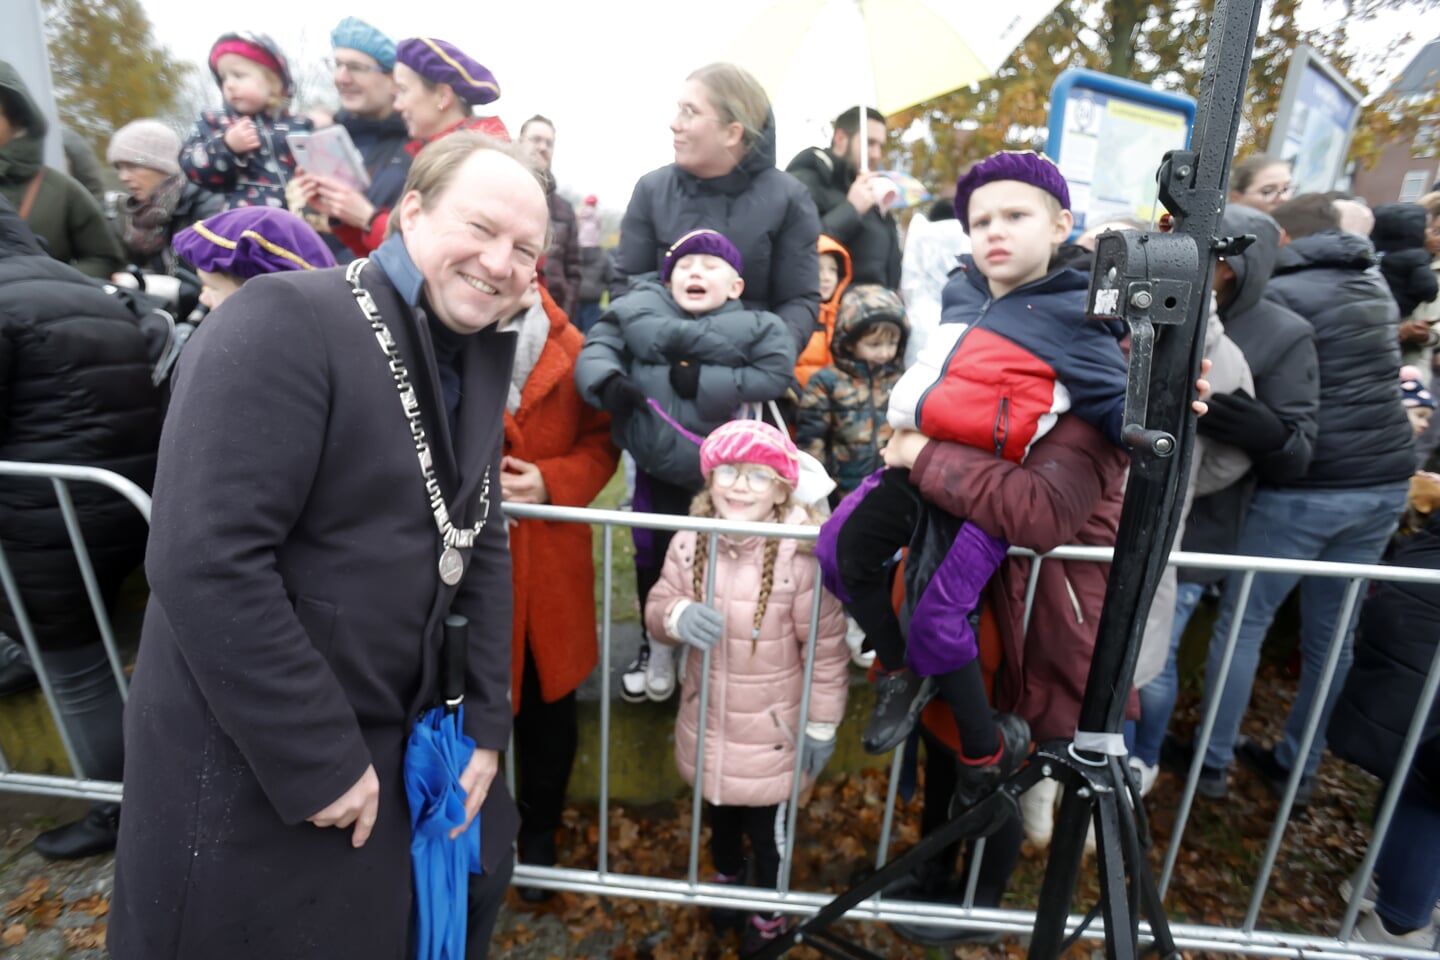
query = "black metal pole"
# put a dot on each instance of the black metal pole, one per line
(1160, 284)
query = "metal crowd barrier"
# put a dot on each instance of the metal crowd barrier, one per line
(1247, 940)
(60, 477)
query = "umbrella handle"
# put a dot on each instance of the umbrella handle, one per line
(452, 660)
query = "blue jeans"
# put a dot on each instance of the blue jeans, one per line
(1339, 526)
(586, 315)
(1405, 872)
(1157, 698)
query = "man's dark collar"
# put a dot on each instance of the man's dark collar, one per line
(394, 259)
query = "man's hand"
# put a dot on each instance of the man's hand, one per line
(862, 195)
(242, 137)
(1414, 332)
(904, 448)
(475, 781)
(359, 805)
(521, 482)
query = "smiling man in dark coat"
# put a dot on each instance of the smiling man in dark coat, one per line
(295, 559)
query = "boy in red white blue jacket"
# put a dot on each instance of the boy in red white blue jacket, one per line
(1014, 351)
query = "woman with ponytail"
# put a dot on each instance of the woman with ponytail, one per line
(756, 630)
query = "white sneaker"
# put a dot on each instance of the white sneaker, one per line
(1371, 930)
(1037, 812)
(1145, 773)
(660, 674)
(855, 639)
(1372, 893)
(632, 681)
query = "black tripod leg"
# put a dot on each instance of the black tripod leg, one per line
(1066, 851)
(1142, 879)
(969, 822)
(1120, 930)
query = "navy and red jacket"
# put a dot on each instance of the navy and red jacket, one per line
(998, 372)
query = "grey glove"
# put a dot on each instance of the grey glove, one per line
(817, 754)
(700, 626)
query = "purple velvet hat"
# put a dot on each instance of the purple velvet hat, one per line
(709, 242)
(441, 62)
(1026, 166)
(248, 241)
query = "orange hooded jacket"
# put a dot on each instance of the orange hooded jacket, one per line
(817, 352)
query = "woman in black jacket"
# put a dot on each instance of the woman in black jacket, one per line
(75, 388)
(724, 178)
(1394, 651)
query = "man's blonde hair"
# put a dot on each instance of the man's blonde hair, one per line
(434, 169)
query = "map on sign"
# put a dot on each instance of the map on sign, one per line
(1108, 137)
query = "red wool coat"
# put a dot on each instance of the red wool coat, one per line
(554, 576)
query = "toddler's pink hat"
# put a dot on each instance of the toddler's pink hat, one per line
(751, 441)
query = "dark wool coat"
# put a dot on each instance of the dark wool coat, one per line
(873, 239)
(74, 388)
(1068, 491)
(562, 260)
(765, 212)
(293, 631)
(1394, 650)
(569, 441)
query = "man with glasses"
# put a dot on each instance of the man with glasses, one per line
(562, 262)
(361, 66)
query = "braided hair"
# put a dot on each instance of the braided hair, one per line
(704, 506)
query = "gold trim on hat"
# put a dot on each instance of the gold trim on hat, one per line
(267, 245)
(458, 68)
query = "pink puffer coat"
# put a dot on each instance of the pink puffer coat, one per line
(753, 719)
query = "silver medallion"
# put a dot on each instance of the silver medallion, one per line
(451, 566)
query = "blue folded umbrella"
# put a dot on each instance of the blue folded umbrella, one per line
(435, 755)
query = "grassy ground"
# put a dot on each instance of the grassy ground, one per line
(623, 605)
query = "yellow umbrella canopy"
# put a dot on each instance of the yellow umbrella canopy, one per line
(889, 54)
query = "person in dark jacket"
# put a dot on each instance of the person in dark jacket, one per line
(57, 209)
(1394, 652)
(74, 388)
(562, 261)
(671, 365)
(162, 201)
(724, 178)
(846, 199)
(1399, 237)
(299, 578)
(1276, 427)
(596, 268)
(82, 164)
(363, 66)
(1343, 508)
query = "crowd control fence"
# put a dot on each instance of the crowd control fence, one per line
(1247, 939)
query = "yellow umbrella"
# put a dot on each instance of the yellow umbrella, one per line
(823, 56)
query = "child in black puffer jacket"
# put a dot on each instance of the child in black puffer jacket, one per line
(1399, 238)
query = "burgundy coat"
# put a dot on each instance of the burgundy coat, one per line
(1068, 491)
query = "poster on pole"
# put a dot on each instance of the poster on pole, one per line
(1108, 136)
(1318, 112)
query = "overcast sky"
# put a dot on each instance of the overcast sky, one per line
(608, 72)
